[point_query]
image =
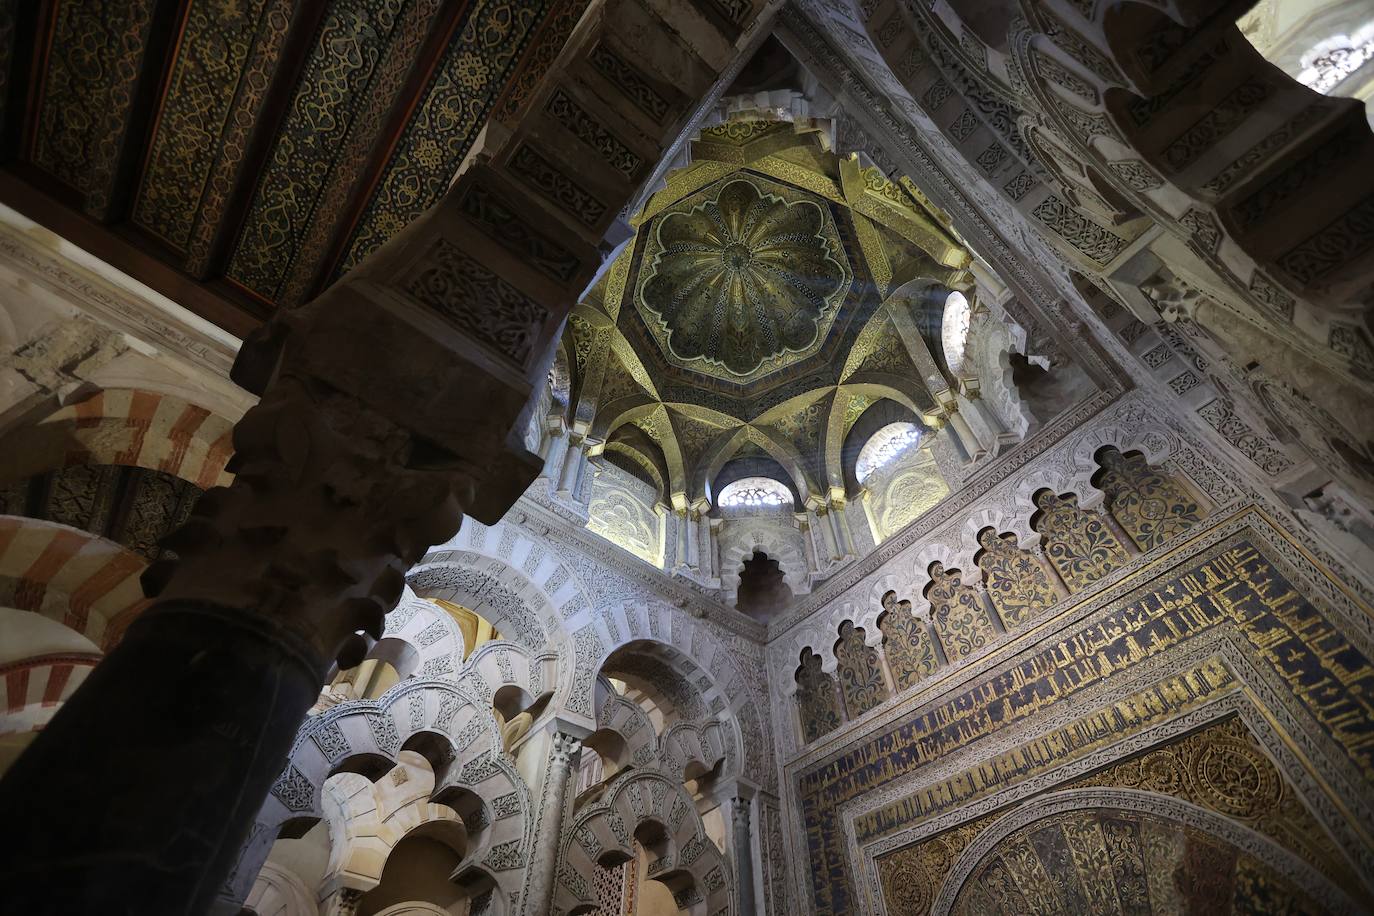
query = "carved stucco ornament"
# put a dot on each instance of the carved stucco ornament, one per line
(747, 277)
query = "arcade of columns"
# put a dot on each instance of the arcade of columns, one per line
(345, 472)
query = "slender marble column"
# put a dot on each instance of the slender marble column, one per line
(1127, 542)
(744, 854)
(563, 756)
(839, 520)
(693, 527)
(823, 529)
(553, 435)
(1051, 571)
(683, 526)
(964, 433)
(571, 471)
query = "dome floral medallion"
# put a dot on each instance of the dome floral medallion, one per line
(742, 278)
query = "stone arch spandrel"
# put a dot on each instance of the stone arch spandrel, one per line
(489, 588)
(463, 737)
(740, 732)
(686, 859)
(518, 583)
(624, 718)
(501, 663)
(431, 634)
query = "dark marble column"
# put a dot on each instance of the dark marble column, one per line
(139, 794)
(381, 422)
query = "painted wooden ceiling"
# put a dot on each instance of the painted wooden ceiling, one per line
(240, 155)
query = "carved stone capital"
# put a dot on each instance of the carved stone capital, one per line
(565, 750)
(348, 901)
(331, 504)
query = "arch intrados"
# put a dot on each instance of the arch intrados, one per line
(293, 828)
(412, 908)
(370, 765)
(651, 834)
(436, 748)
(449, 833)
(698, 778)
(397, 652)
(610, 746)
(511, 700)
(647, 652)
(611, 857)
(467, 804)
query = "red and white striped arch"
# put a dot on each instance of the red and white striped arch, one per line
(32, 689)
(84, 582)
(144, 429)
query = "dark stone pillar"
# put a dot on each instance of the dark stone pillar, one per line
(391, 405)
(139, 794)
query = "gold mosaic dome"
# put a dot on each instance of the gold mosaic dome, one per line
(754, 315)
(746, 275)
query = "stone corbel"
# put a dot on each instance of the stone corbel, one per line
(52, 369)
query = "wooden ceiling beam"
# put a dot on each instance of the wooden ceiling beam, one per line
(431, 55)
(18, 189)
(295, 54)
(20, 76)
(159, 53)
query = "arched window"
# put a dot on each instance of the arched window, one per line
(954, 330)
(1329, 62)
(752, 492)
(884, 446)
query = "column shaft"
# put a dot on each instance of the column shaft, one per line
(843, 540)
(744, 856)
(543, 864)
(964, 433)
(827, 551)
(568, 473)
(693, 541)
(1127, 542)
(209, 700)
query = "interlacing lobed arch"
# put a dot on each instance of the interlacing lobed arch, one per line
(965, 600)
